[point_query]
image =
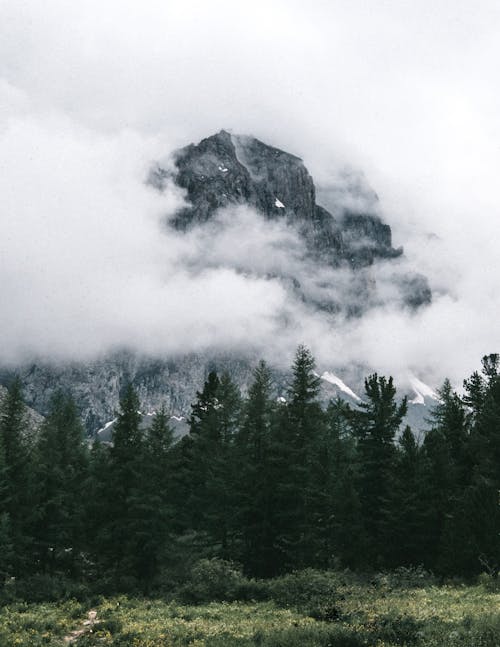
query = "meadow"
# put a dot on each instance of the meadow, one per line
(332, 611)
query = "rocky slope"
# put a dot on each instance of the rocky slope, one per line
(223, 172)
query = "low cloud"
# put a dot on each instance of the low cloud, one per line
(90, 96)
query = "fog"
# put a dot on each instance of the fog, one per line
(92, 94)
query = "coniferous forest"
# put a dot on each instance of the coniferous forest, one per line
(275, 486)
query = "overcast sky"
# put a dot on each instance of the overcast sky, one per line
(92, 92)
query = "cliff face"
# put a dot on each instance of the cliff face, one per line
(226, 170)
(97, 385)
(342, 248)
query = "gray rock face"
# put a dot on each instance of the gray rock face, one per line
(97, 385)
(223, 171)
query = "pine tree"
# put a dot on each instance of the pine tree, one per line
(295, 458)
(6, 546)
(449, 466)
(152, 501)
(375, 424)
(410, 506)
(18, 509)
(98, 511)
(254, 485)
(123, 531)
(209, 461)
(338, 514)
(481, 507)
(61, 471)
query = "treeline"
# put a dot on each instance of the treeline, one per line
(274, 485)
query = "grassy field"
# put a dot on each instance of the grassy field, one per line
(375, 614)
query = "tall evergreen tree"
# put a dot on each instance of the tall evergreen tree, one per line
(123, 531)
(295, 456)
(375, 424)
(149, 502)
(481, 498)
(410, 509)
(209, 461)
(6, 546)
(448, 471)
(254, 485)
(61, 471)
(98, 511)
(338, 515)
(18, 510)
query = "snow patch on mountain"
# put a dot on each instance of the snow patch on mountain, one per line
(106, 426)
(336, 381)
(421, 391)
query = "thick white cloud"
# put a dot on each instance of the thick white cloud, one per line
(91, 92)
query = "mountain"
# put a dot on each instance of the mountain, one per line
(343, 264)
(225, 171)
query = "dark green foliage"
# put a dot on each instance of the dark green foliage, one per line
(276, 485)
(254, 485)
(375, 424)
(410, 506)
(119, 542)
(340, 538)
(16, 483)
(209, 466)
(150, 503)
(307, 590)
(218, 580)
(294, 457)
(61, 472)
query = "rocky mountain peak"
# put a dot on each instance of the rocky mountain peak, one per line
(226, 170)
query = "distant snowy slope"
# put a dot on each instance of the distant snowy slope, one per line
(331, 378)
(422, 391)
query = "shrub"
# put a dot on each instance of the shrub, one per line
(217, 580)
(309, 591)
(46, 588)
(405, 577)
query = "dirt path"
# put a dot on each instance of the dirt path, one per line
(85, 628)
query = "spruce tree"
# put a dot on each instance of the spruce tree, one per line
(152, 500)
(209, 464)
(481, 497)
(254, 484)
(410, 506)
(448, 472)
(123, 531)
(19, 514)
(375, 424)
(295, 458)
(338, 511)
(61, 472)
(6, 546)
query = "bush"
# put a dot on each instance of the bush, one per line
(405, 577)
(45, 588)
(309, 591)
(217, 580)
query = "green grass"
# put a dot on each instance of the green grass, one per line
(365, 614)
